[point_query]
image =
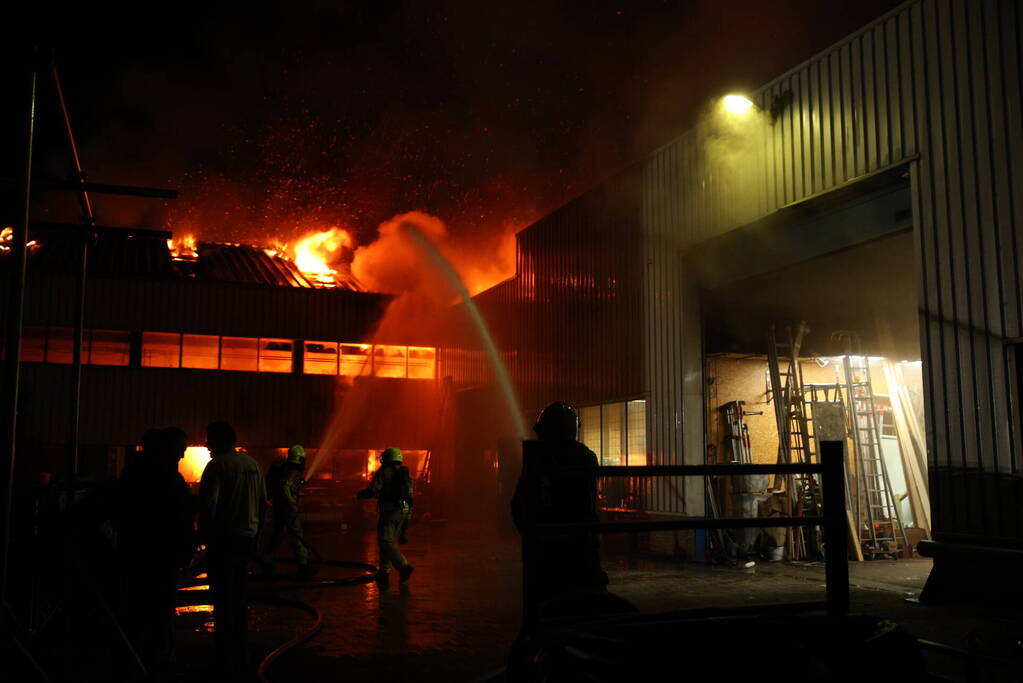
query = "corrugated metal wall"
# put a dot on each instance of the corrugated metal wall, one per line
(178, 305)
(576, 303)
(936, 84)
(268, 410)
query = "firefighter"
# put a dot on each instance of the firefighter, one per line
(391, 485)
(562, 490)
(284, 484)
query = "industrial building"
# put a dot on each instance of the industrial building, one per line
(873, 193)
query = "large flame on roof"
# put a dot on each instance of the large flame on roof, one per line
(314, 254)
(183, 249)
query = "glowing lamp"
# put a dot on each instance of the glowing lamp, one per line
(737, 104)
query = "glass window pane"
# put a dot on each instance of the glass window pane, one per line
(613, 428)
(589, 428)
(58, 345)
(320, 358)
(275, 355)
(109, 347)
(239, 353)
(33, 344)
(200, 351)
(389, 361)
(161, 349)
(637, 432)
(355, 359)
(422, 362)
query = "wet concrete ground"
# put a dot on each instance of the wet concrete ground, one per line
(458, 615)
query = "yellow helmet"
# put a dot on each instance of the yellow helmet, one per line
(391, 454)
(296, 455)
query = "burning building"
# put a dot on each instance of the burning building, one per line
(180, 332)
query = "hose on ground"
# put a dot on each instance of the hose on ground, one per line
(196, 597)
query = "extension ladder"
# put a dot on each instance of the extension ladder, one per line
(877, 513)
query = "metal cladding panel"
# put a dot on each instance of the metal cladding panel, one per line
(575, 305)
(672, 355)
(934, 84)
(969, 199)
(203, 307)
(268, 410)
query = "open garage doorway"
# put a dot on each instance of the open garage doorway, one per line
(815, 337)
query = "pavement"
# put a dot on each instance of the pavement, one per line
(457, 617)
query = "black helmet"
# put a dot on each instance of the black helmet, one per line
(557, 422)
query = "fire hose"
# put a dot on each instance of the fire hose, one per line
(195, 597)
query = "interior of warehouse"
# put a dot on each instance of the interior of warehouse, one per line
(825, 348)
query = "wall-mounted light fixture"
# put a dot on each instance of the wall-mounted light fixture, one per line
(737, 104)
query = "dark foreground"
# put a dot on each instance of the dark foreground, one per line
(457, 617)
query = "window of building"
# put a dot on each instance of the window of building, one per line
(390, 361)
(355, 359)
(320, 358)
(589, 428)
(275, 355)
(612, 434)
(616, 432)
(56, 345)
(59, 346)
(239, 353)
(33, 345)
(422, 362)
(161, 349)
(109, 347)
(635, 421)
(200, 351)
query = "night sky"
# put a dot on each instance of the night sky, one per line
(275, 118)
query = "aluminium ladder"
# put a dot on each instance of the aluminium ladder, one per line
(794, 440)
(877, 514)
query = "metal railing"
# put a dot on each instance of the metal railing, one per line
(834, 522)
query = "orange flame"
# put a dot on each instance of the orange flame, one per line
(195, 461)
(183, 249)
(314, 254)
(7, 238)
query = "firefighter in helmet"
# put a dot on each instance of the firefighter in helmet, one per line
(562, 490)
(391, 485)
(284, 484)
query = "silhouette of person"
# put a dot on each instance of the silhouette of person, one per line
(558, 486)
(154, 541)
(232, 500)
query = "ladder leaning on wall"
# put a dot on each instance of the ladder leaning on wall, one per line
(877, 513)
(795, 444)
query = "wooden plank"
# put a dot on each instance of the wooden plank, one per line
(854, 537)
(919, 500)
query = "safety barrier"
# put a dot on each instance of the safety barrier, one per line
(834, 522)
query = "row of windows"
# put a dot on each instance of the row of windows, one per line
(56, 345)
(246, 354)
(616, 432)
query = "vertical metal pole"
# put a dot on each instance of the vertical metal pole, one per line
(88, 220)
(76, 359)
(16, 306)
(836, 564)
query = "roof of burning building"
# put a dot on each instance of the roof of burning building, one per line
(119, 252)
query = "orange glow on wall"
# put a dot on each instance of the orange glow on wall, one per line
(194, 462)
